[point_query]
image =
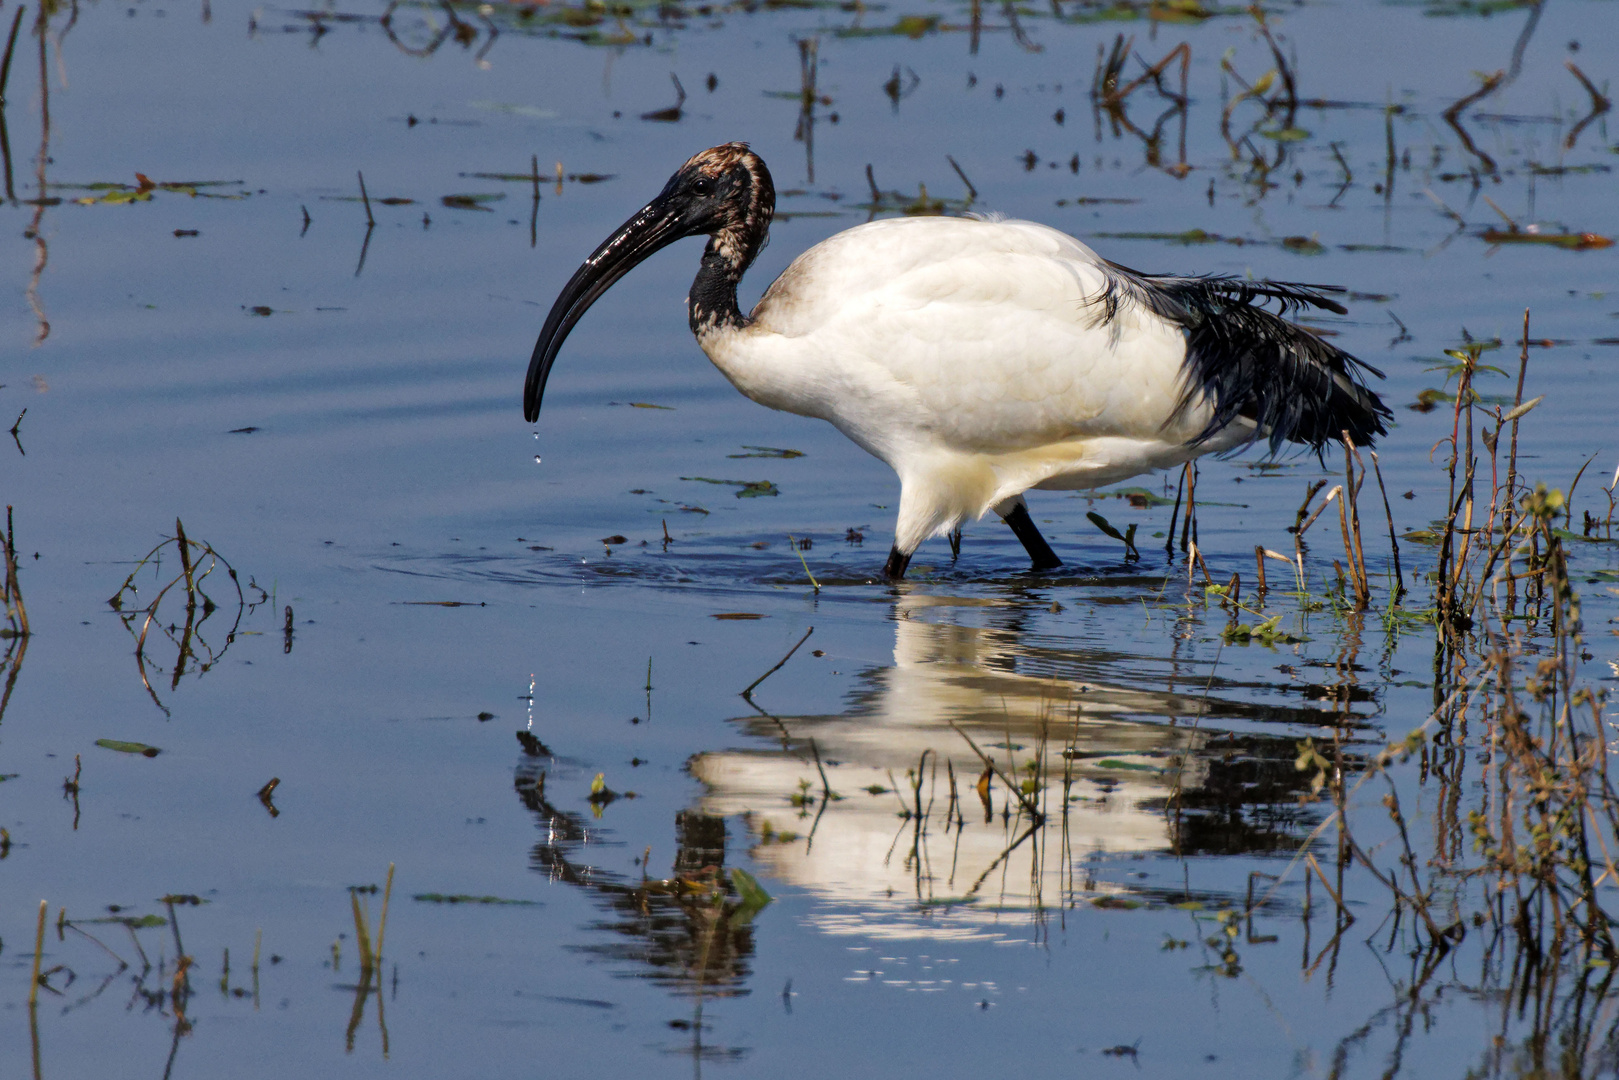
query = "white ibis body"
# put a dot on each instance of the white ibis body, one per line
(980, 358)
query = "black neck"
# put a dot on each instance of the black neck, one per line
(711, 304)
(732, 247)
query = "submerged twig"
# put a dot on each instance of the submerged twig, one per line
(748, 693)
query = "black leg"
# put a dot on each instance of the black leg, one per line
(894, 568)
(955, 543)
(1039, 551)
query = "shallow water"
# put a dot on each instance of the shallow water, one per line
(425, 574)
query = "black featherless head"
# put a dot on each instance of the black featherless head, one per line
(725, 193)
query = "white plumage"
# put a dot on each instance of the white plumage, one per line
(974, 358)
(978, 357)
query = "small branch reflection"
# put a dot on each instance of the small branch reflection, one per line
(193, 652)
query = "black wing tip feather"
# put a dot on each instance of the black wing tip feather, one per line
(1252, 364)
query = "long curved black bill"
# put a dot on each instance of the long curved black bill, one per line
(654, 226)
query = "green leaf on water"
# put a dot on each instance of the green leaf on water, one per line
(464, 898)
(1127, 538)
(141, 922)
(754, 898)
(1190, 236)
(746, 489)
(1564, 534)
(767, 451)
(1133, 766)
(473, 201)
(1138, 497)
(129, 747)
(1267, 633)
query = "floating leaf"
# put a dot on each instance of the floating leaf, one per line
(767, 452)
(1138, 497)
(472, 202)
(754, 898)
(746, 489)
(1303, 245)
(1267, 633)
(911, 26)
(129, 747)
(1133, 766)
(1127, 538)
(463, 898)
(1583, 241)
(142, 922)
(1190, 236)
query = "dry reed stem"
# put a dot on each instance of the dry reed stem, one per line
(39, 951)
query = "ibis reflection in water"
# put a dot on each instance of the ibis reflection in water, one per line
(980, 358)
(1123, 757)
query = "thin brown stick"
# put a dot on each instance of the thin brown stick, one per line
(1517, 399)
(1189, 522)
(365, 198)
(11, 46)
(749, 691)
(13, 595)
(1394, 544)
(1350, 457)
(827, 794)
(1599, 104)
(39, 951)
(382, 921)
(1331, 495)
(1017, 793)
(972, 192)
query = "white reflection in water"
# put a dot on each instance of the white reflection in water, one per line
(907, 851)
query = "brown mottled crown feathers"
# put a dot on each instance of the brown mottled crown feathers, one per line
(717, 160)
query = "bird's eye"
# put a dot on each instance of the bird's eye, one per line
(702, 186)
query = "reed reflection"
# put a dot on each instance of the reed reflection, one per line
(983, 772)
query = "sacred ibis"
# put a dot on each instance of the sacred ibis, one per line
(979, 357)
